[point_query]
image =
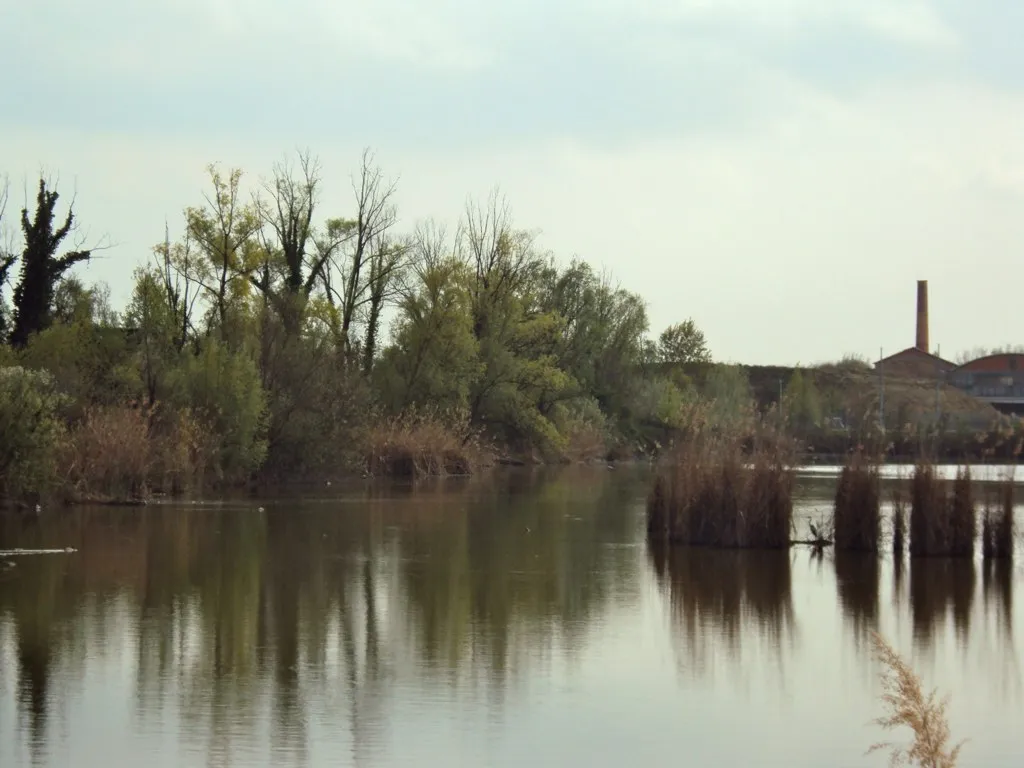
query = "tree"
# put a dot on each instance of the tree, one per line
(225, 233)
(41, 268)
(801, 403)
(683, 343)
(7, 258)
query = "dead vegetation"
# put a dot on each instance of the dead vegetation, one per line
(725, 491)
(997, 532)
(858, 515)
(908, 706)
(943, 521)
(420, 445)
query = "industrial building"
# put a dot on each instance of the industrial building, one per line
(997, 379)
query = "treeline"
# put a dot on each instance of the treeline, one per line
(271, 340)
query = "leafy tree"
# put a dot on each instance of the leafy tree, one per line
(683, 343)
(31, 429)
(802, 408)
(222, 387)
(41, 267)
(729, 392)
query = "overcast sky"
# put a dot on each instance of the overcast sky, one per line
(783, 171)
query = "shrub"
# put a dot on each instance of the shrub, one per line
(31, 430)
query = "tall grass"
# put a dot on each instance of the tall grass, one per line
(724, 491)
(908, 706)
(943, 521)
(417, 445)
(123, 452)
(997, 532)
(858, 515)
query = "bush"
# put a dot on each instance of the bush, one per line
(222, 389)
(942, 515)
(31, 430)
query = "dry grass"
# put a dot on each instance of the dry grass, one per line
(107, 455)
(710, 492)
(943, 521)
(418, 445)
(122, 452)
(907, 706)
(858, 516)
(997, 530)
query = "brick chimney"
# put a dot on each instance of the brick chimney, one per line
(922, 316)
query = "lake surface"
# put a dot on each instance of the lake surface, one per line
(515, 620)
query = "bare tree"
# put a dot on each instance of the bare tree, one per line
(8, 257)
(349, 288)
(501, 257)
(388, 259)
(180, 273)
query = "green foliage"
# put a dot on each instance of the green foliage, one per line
(222, 387)
(802, 404)
(41, 267)
(683, 343)
(31, 429)
(731, 398)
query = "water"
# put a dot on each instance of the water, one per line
(515, 621)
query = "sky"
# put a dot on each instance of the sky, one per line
(781, 171)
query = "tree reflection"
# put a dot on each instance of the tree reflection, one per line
(247, 627)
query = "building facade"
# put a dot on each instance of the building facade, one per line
(996, 379)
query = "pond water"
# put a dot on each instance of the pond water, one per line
(514, 620)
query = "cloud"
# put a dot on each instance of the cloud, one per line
(782, 170)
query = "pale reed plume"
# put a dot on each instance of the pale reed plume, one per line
(907, 705)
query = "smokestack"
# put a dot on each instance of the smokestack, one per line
(922, 315)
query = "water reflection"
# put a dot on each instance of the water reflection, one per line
(722, 598)
(857, 582)
(309, 614)
(940, 587)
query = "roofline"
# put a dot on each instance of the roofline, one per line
(920, 351)
(989, 357)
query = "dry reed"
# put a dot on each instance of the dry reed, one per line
(418, 445)
(107, 455)
(998, 524)
(908, 706)
(942, 514)
(858, 521)
(710, 492)
(899, 524)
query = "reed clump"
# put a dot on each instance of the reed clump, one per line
(908, 706)
(899, 524)
(858, 509)
(943, 522)
(728, 491)
(997, 531)
(423, 444)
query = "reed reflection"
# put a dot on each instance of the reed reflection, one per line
(857, 582)
(940, 587)
(721, 598)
